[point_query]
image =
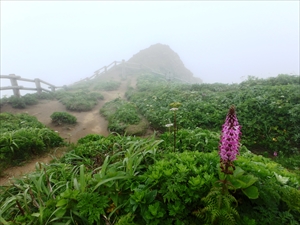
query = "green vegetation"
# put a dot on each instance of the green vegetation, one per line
(123, 178)
(270, 114)
(17, 102)
(80, 100)
(75, 98)
(23, 136)
(26, 100)
(107, 85)
(123, 117)
(81, 86)
(177, 176)
(63, 117)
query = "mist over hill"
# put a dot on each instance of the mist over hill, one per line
(162, 58)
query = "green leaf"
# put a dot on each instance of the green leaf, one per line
(235, 183)
(251, 192)
(62, 202)
(243, 181)
(3, 221)
(247, 180)
(35, 214)
(150, 196)
(238, 172)
(60, 212)
(281, 179)
(110, 179)
(154, 208)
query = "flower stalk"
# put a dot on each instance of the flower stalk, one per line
(229, 143)
(175, 127)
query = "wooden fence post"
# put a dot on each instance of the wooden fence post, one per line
(52, 88)
(14, 82)
(38, 85)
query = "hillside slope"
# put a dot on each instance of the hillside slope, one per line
(163, 59)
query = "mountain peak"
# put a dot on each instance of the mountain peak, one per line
(162, 58)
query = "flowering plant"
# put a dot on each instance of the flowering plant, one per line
(229, 148)
(229, 143)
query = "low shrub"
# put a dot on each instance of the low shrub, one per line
(63, 117)
(82, 85)
(23, 136)
(120, 114)
(107, 85)
(4, 101)
(30, 99)
(12, 122)
(79, 101)
(198, 139)
(46, 95)
(17, 102)
(90, 138)
(137, 129)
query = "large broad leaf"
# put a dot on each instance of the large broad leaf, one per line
(60, 212)
(251, 192)
(244, 181)
(235, 183)
(62, 202)
(281, 179)
(247, 180)
(238, 172)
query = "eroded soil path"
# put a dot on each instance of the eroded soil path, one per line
(90, 122)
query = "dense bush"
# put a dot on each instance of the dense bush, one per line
(23, 136)
(120, 114)
(12, 122)
(46, 95)
(276, 108)
(192, 140)
(63, 117)
(17, 102)
(30, 99)
(281, 79)
(80, 100)
(89, 138)
(3, 101)
(167, 180)
(26, 100)
(118, 179)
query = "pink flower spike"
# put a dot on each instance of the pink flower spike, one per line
(231, 132)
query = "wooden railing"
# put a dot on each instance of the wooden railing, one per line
(16, 88)
(115, 64)
(127, 65)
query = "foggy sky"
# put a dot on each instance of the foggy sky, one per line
(62, 42)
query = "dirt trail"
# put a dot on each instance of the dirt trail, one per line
(90, 122)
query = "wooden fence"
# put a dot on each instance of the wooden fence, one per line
(115, 64)
(127, 65)
(16, 88)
